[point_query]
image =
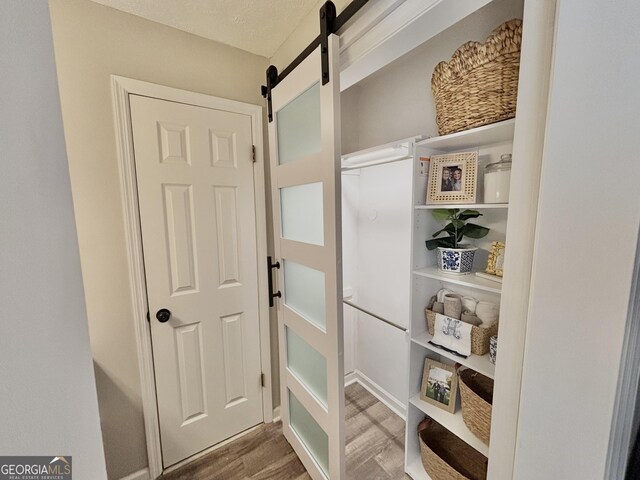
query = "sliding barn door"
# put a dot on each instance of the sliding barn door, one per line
(305, 157)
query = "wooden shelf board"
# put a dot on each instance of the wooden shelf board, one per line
(452, 422)
(500, 132)
(479, 363)
(475, 206)
(470, 280)
(416, 471)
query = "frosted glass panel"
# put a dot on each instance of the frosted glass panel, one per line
(308, 365)
(310, 433)
(302, 218)
(298, 125)
(304, 292)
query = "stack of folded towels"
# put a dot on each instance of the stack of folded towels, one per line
(456, 316)
(467, 309)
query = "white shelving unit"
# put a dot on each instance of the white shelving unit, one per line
(474, 206)
(475, 138)
(453, 422)
(479, 363)
(489, 141)
(394, 103)
(470, 280)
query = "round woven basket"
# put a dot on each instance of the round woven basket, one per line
(476, 393)
(479, 85)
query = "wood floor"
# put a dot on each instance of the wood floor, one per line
(374, 448)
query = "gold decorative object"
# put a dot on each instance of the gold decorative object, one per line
(495, 261)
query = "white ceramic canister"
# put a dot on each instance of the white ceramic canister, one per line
(497, 180)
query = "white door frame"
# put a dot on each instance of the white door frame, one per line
(121, 87)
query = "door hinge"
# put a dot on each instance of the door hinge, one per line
(253, 153)
(148, 317)
(262, 379)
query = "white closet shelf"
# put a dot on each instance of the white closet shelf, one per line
(500, 132)
(470, 280)
(479, 363)
(416, 471)
(452, 422)
(475, 206)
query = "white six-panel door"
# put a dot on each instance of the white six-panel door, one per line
(304, 138)
(194, 170)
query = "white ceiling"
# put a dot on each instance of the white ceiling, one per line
(257, 26)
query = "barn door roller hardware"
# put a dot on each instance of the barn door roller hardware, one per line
(329, 23)
(327, 27)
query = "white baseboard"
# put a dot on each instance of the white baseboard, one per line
(349, 378)
(276, 414)
(139, 475)
(377, 391)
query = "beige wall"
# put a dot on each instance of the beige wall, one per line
(91, 43)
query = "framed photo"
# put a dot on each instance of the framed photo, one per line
(495, 261)
(439, 385)
(452, 178)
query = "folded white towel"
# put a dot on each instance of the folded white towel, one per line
(487, 312)
(441, 293)
(469, 304)
(452, 334)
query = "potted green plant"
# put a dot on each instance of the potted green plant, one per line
(454, 256)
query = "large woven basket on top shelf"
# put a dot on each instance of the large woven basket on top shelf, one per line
(480, 337)
(446, 457)
(479, 85)
(476, 393)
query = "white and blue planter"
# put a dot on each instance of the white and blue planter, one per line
(493, 349)
(456, 260)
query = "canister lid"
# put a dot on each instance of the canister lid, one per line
(502, 165)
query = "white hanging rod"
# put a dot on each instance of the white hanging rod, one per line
(389, 322)
(391, 152)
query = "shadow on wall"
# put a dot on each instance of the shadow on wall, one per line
(122, 415)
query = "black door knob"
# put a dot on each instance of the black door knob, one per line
(163, 315)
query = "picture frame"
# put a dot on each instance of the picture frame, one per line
(495, 261)
(439, 385)
(452, 178)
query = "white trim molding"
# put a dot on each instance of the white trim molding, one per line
(350, 378)
(528, 148)
(276, 414)
(387, 29)
(121, 89)
(398, 407)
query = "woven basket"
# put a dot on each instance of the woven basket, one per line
(479, 85)
(446, 457)
(480, 337)
(476, 392)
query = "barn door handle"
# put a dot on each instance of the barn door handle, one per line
(163, 315)
(271, 266)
